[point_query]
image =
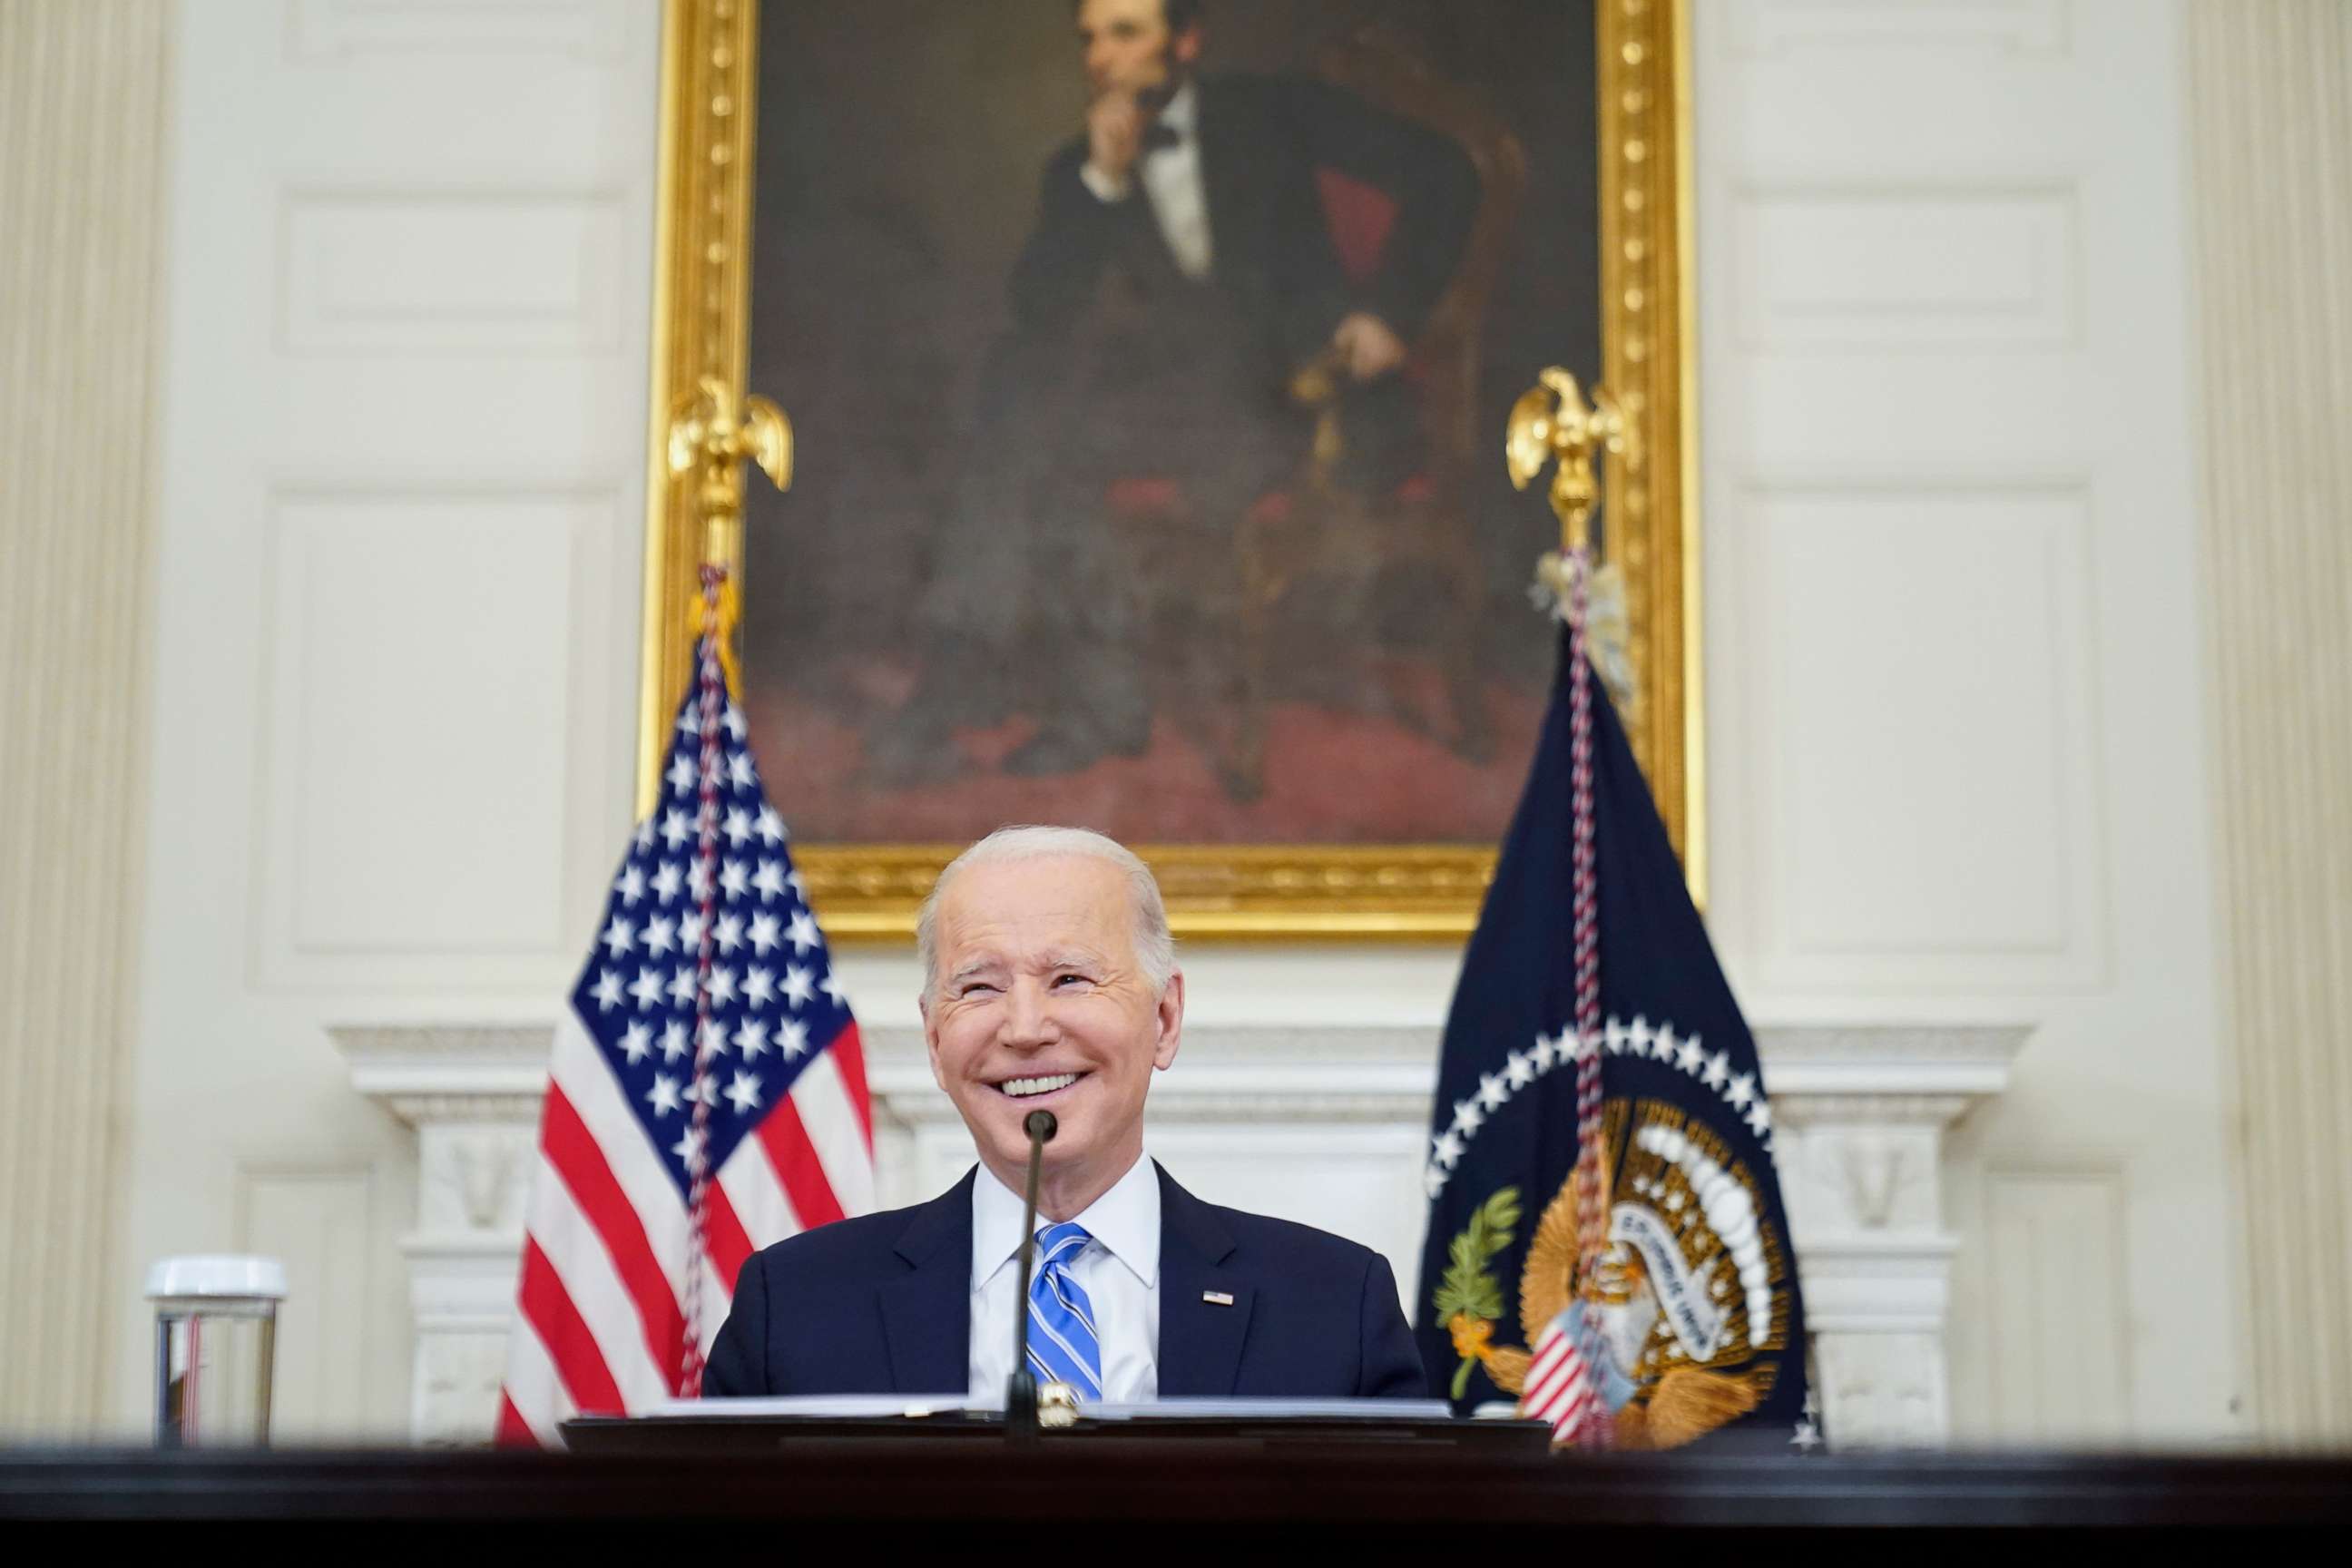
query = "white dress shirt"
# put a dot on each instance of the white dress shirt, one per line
(1118, 1271)
(1171, 180)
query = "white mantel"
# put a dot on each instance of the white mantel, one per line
(1324, 1125)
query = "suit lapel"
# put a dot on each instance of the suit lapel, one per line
(927, 1311)
(1199, 1338)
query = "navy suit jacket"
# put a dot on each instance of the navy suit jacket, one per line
(882, 1304)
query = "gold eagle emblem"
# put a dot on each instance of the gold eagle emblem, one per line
(1679, 1327)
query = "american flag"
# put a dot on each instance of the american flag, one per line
(707, 1023)
(1559, 1387)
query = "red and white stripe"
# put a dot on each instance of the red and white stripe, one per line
(604, 1299)
(1558, 1388)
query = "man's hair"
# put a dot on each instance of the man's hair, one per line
(1155, 949)
(1179, 15)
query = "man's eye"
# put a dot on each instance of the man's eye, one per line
(975, 989)
(1069, 980)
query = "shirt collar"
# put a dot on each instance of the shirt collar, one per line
(1125, 1220)
(1181, 111)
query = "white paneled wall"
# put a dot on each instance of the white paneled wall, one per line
(401, 517)
(1956, 763)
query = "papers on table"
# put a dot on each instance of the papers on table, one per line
(872, 1406)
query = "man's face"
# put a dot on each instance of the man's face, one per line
(1129, 48)
(1039, 1003)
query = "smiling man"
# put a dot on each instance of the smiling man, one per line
(1051, 983)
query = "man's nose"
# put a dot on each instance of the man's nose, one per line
(1028, 1020)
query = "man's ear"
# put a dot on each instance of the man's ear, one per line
(1185, 48)
(1169, 1019)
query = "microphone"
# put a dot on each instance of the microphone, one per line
(1020, 1388)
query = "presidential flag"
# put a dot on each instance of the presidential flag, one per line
(707, 1096)
(1606, 1244)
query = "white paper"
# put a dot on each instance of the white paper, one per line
(888, 1406)
(1274, 1410)
(835, 1406)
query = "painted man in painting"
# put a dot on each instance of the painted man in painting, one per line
(1181, 271)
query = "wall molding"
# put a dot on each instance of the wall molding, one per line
(1865, 1109)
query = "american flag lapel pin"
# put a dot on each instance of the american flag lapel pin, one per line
(1216, 1298)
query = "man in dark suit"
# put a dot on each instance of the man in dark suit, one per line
(1051, 983)
(1201, 190)
(1181, 273)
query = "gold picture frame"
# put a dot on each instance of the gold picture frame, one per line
(1306, 892)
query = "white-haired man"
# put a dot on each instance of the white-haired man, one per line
(1050, 982)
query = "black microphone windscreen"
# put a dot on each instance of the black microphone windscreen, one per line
(1040, 1125)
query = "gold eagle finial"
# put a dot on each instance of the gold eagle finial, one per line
(711, 435)
(1551, 422)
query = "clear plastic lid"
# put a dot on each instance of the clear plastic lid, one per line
(217, 1278)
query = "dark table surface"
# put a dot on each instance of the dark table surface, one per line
(1396, 1493)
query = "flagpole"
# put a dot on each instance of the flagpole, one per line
(1551, 422)
(710, 437)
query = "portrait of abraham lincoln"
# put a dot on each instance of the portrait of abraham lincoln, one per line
(1149, 362)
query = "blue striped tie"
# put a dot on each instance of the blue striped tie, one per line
(1062, 1345)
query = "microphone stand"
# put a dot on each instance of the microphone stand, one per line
(1020, 1388)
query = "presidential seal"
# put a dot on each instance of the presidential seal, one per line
(1681, 1322)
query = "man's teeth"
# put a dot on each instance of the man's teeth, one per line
(1028, 1085)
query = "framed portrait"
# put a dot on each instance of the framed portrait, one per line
(1149, 364)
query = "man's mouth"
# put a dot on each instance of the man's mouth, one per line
(1031, 1087)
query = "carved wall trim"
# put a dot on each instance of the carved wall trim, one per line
(1865, 1107)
